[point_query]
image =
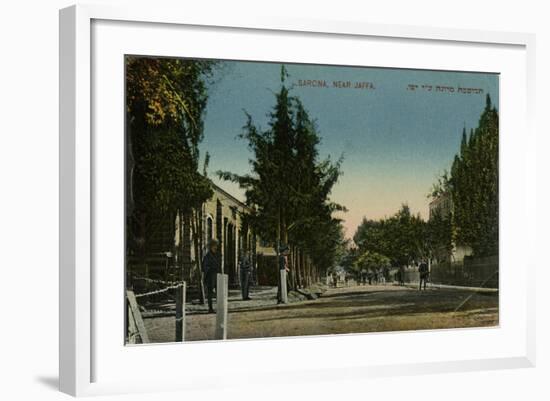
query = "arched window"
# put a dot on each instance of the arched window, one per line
(209, 229)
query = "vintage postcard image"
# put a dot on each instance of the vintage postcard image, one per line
(269, 200)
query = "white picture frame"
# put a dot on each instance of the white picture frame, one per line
(83, 353)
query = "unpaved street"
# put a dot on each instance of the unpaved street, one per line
(354, 309)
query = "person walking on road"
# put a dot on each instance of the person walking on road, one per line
(284, 251)
(424, 274)
(211, 267)
(334, 279)
(381, 276)
(245, 267)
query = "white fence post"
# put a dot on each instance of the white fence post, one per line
(221, 306)
(284, 293)
(180, 313)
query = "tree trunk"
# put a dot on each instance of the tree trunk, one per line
(308, 271)
(198, 246)
(294, 269)
(301, 269)
(284, 229)
(297, 268)
(186, 245)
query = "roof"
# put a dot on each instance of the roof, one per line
(231, 197)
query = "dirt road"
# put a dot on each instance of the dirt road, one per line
(354, 309)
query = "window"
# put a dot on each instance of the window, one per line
(209, 230)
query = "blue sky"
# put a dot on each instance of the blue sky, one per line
(395, 141)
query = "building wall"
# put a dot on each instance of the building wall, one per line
(223, 220)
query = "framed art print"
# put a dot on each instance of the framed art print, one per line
(361, 185)
(248, 189)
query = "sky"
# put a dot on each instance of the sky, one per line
(396, 139)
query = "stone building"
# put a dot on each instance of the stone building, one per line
(224, 219)
(177, 244)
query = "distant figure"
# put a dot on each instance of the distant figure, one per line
(386, 274)
(363, 276)
(424, 274)
(375, 276)
(284, 251)
(245, 268)
(402, 275)
(382, 278)
(211, 267)
(334, 279)
(370, 277)
(346, 279)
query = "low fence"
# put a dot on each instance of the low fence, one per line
(472, 272)
(136, 332)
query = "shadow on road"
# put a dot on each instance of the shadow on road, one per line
(346, 305)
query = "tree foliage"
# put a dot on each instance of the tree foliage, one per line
(165, 102)
(289, 186)
(438, 236)
(474, 185)
(400, 238)
(369, 260)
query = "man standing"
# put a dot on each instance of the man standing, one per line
(284, 251)
(363, 276)
(386, 274)
(424, 273)
(244, 270)
(401, 275)
(211, 267)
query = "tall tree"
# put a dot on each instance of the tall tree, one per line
(165, 102)
(474, 186)
(288, 185)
